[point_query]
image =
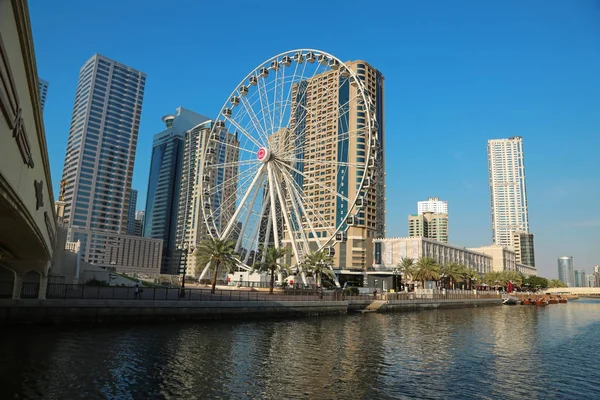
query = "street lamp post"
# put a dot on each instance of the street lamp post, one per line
(395, 272)
(183, 260)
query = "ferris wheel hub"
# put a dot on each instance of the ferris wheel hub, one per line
(263, 154)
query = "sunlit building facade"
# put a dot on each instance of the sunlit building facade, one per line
(355, 252)
(191, 227)
(164, 183)
(508, 194)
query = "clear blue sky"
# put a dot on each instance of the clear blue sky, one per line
(457, 73)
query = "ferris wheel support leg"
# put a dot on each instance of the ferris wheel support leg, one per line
(336, 280)
(237, 211)
(272, 190)
(204, 272)
(304, 280)
(241, 236)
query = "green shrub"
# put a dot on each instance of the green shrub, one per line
(96, 282)
(352, 291)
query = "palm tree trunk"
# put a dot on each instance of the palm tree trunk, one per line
(214, 278)
(272, 281)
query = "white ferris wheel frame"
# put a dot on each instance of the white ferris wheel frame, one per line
(266, 170)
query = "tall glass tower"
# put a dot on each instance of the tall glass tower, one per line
(101, 148)
(132, 208)
(566, 273)
(508, 196)
(162, 199)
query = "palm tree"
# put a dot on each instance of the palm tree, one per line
(512, 276)
(271, 263)
(216, 253)
(427, 269)
(406, 267)
(492, 278)
(469, 274)
(316, 264)
(556, 283)
(454, 273)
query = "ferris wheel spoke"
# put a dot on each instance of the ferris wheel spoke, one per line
(316, 182)
(238, 209)
(232, 164)
(297, 206)
(226, 203)
(286, 217)
(248, 110)
(289, 95)
(236, 178)
(245, 223)
(244, 132)
(264, 105)
(306, 201)
(272, 190)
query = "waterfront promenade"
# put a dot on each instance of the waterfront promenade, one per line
(79, 303)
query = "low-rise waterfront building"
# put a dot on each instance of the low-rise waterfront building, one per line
(389, 252)
(124, 253)
(505, 259)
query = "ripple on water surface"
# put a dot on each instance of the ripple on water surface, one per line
(493, 352)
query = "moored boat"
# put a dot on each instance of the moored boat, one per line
(526, 302)
(553, 300)
(510, 301)
(562, 301)
(541, 302)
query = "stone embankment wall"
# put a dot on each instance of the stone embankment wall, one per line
(58, 311)
(98, 311)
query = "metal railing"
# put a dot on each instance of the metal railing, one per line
(65, 291)
(68, 291)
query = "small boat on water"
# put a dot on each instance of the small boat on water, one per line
(526, 302)
(553, 300)
(562, 300)
(510, 301)
(541, 302)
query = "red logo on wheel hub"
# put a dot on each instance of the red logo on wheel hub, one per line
(262, 153)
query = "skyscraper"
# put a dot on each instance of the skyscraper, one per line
(101, 150)
(131, 215)
(523, 247)
(429, 225)
(431, 220)
(434, 205)
(580, 278)
(565, 271)
(508, 194)
(355, 250)
(164, 180)
(191, 228)
(138, 223)
(43, 92)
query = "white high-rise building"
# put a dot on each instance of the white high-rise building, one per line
(434, 205)
(508, 195)
(101, 151)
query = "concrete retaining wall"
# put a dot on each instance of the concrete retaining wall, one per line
(408, 305)
(82, 310)
(57, 311)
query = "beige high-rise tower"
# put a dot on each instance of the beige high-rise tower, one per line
(313, 106)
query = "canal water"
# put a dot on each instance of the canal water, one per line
(477, 353)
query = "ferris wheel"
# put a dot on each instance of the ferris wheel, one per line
(290, 157)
